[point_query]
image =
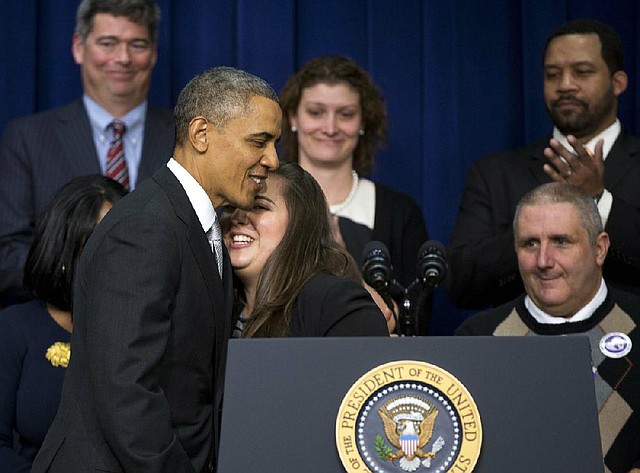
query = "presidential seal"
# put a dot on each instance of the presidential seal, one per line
(407, 416)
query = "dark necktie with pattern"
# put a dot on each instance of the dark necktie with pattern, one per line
(214, 235)
(116, 163)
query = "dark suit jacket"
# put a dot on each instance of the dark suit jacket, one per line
(38, 155)
(331, 306)
(151, 322)
(482, 259)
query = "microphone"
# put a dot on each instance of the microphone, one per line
(376, 266)
(432, 265)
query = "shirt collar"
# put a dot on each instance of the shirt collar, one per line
(610, 135)
(583, 314)
(197, 196)
(100, 118)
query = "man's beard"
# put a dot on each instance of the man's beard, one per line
(588, 120)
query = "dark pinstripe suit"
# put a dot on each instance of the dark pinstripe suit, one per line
(42, 152)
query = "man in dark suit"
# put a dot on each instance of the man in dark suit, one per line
(583, 78)
(115, 46)
(152, 311)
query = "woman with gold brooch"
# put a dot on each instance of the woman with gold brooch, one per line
(34, 336)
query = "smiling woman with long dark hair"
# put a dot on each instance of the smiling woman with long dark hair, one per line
(294, 279)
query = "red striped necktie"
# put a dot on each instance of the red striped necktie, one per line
(116, 163)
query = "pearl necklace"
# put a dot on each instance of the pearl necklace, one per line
(336, 209)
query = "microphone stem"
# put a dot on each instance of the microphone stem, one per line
(413, 298)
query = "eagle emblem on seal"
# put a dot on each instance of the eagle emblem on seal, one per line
(408, 425)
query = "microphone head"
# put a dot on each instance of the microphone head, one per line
(376, 265)
(432, 263)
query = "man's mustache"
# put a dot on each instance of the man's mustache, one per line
(570, 99)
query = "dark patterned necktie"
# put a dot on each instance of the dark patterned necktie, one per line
(214, 235)
(116, 163)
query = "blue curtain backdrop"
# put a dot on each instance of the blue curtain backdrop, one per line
(461, 78)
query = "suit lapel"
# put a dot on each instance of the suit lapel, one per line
(220, 295)
(537, 161)
(76, 140)
(623, 156)
(208, 267)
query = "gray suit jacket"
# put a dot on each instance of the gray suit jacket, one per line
(482, 260)
(38, 155)
(151, 323)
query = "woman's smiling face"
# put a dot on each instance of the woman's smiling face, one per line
(252, 236)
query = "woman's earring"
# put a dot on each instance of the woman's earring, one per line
(361, 132)
(294, 128)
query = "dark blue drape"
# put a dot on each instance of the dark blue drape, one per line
(461, 78)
